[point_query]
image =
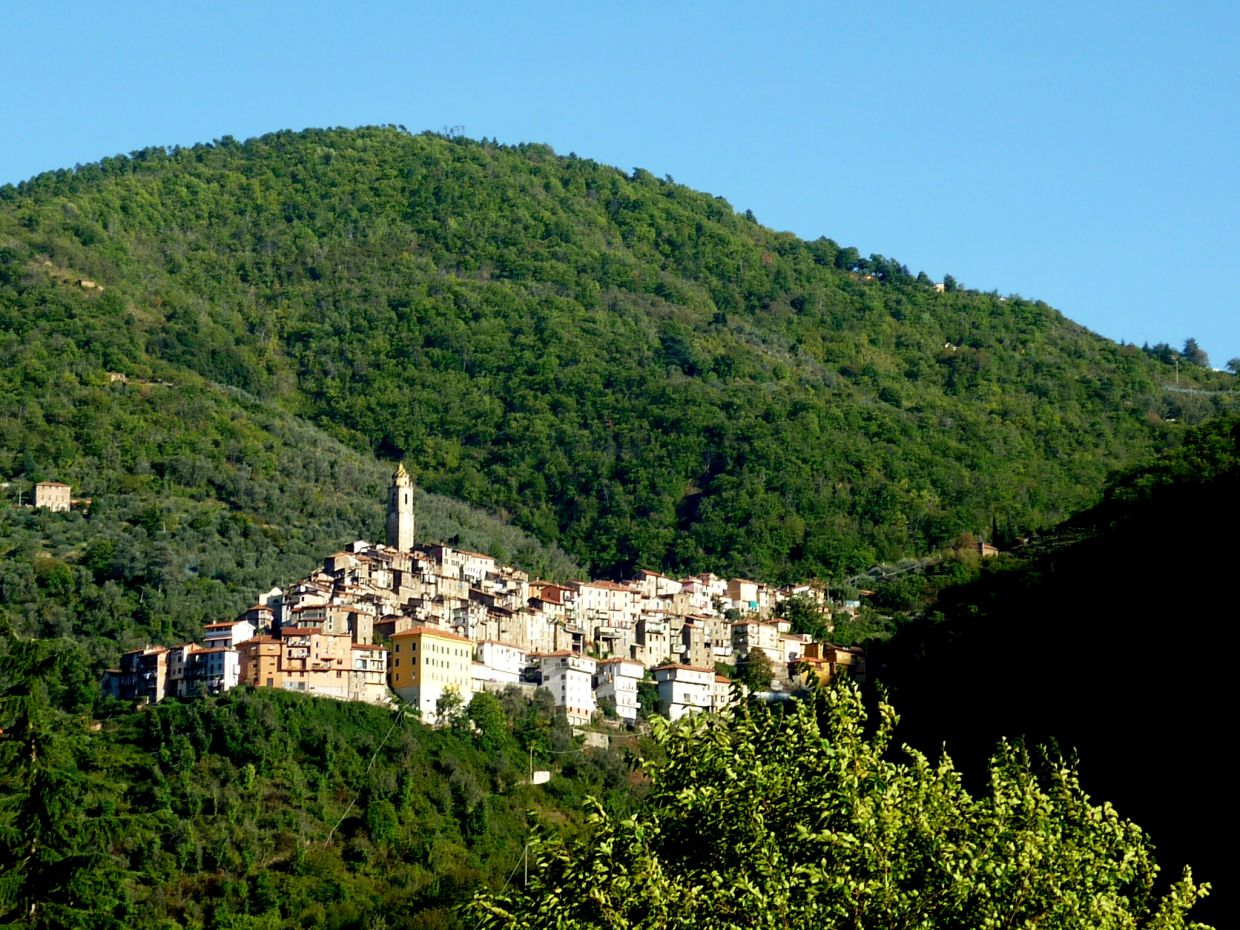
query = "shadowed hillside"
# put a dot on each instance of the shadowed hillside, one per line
(1107, 640)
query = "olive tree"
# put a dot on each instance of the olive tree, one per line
(806, 817)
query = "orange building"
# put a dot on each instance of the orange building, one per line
(302, 659)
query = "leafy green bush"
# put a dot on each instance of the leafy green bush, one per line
(761, 819)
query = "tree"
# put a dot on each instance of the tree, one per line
(607, 707)
(762, 819)
(806, 616)
(53, 868)
(647, 699)
(755, 671)
(1195, 354)
(486, 713)
(450, 708)
(1233, 365)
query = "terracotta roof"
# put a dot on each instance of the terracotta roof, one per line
(722, 680)
(608, 586)
(147, 650)
(51, 484)
(258, 639)
(687, 668)
(431, 631)
(367, 646)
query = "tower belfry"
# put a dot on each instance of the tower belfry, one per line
(400, 510)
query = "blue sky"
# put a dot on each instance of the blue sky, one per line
(1087, 154)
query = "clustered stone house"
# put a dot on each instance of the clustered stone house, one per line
(428, 620)
(52, 495)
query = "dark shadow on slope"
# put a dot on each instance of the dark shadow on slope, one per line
(1112, 644)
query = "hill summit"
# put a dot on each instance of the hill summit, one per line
(617, 364)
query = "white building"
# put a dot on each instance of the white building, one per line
(744, 595)
(499, 664)
(368, 676)
(52, 495)
(228, 634)
(570, 679)
(655, 585)
(617, 679)
(684, 689)
(194, 670)
(792, 647)
(609, 613)
(756, 634)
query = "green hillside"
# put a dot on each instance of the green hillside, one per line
(620, 366)
(202, 496)
(264, 809)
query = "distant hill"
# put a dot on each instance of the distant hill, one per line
(619, 366)
(1106, 637)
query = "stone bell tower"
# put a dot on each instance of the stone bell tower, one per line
(400, 510)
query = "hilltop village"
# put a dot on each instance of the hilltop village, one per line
(430, 624)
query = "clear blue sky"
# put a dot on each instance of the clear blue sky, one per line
(1087, 154)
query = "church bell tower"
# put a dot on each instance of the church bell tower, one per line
(400, 511)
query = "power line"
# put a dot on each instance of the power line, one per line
(400, 715)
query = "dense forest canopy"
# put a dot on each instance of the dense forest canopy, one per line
(623, 367)
(265, 809)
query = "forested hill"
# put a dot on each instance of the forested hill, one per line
(618, 364)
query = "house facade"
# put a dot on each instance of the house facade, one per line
(617, 679)
(425, 663)
(52, 495)
(684, 689)
(570, 679)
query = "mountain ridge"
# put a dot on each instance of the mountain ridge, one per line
(627, 368)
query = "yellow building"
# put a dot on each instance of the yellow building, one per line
(424, 663)
(825, 661)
